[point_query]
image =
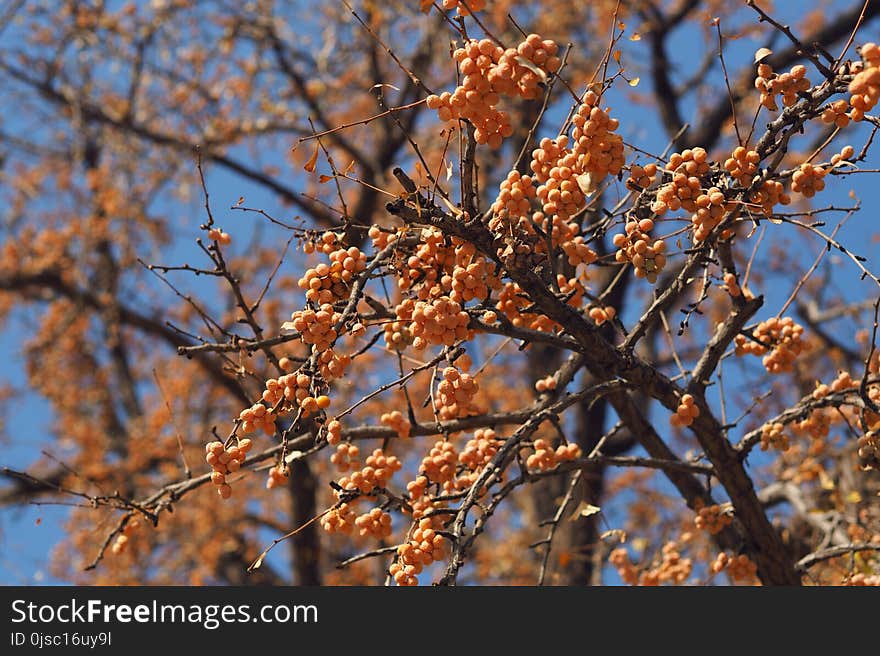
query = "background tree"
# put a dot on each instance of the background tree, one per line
(520, 357)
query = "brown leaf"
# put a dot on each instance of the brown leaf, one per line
(636, 37)
(584, 509)
(324, 178)
(258, 562)
(762, 53)
(313, 161)
(452, 208)
(525, 63)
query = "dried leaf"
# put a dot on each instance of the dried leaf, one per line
(240, 201)
(390, 86)
(774, 220)
(616, 56)
(762, 53)
(584, 509)
(258, 562)
(452, 208)
(349, 168)
(313, 160)
(618, 533)
(324, 178)
(525, 63)
(635, 81)
(587, 184)
(293, 456)
(636, 37)
(854, 497)
(449, 171)
(288, 329)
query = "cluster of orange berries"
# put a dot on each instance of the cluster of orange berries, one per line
(292, 390)
(773, 437)
(565, 174)
(381, 237)
(636, 246)
(376, 473)
(671, 568)
(686, 168)
(742, 165)
(641, 177)
(334, 432)
(398, 335)
(257, 417)
(836, 113)
(601, 315)
(469, 282)
(739, 568)
(476, 454)
(545, 457)
(437, 321)
(424, 547)
(436, 269)
(713, 519)
(120, 544)
(325, 243)
(395, 420)
(216, 234)
(808, 179)
(711, 207)
(628, 572)
(786, 85)
(480, 449)
(512, 300)
(449, 5)
(346, 456)
(865, 86)
(576, 250)
(225, 461)
(339, 519)
(457, 393)
(598, 150)
(420, 502)
(547, 384)
(375, 523)
(731, 284)
(332, 365)
(488, 72)
(778, 340)
(686, 412)
(327, 283)
(559, 191)
(424, 268)
(770, 194)
(512, 207)
(316, 327)
(439, 465)
(277, 476)
(846, 153)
